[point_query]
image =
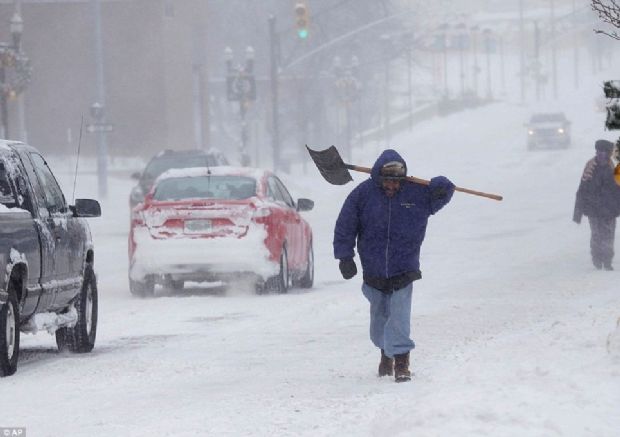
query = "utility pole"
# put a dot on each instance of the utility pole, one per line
(99, 105)
(445, 64)
(521, 51)
(348, 91)
(487, 45)
(554, 64)
(443, 40)
(461, 40)
(241, 87)
(476, 68)
(575, 47)
(275, 135)
(409, 43)
(199, 92)
(21, 112)
(500, 41)
(385, 38)
(537, 64)
(12, 57)
(4, 110)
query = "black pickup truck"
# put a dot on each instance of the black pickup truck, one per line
(46, 257)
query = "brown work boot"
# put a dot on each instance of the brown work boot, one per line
(386, 366)
(401, 368)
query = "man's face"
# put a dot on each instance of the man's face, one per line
(391, 186)
(602, 156)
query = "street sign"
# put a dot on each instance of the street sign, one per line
(95, 127)
(241, 87)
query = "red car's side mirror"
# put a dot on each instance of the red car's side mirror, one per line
(304, 204)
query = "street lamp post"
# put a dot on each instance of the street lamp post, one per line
(460, 38)
(273, 79)
(387, 43)
(476, 68)
(11, 57)
(4, 112)
(347, 89)
(500, 42)
(408, 43)
(536, 63)
(98, 108)
(241, 87)
(487, 46)
(442, 39)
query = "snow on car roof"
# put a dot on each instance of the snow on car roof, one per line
(255, 173)
(548, 116)
(4, 144)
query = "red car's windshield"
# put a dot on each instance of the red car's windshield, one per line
(205, 187)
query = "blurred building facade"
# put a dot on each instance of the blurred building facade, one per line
(363, 73)
(153, 69)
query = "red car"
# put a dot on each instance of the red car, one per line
(220, 224)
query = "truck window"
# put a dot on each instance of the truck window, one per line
(38, 198)
(54, 199)
(7, 197)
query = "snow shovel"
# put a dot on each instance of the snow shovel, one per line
(336, 171)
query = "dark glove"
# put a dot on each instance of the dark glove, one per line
(348, 268)
(441, 188)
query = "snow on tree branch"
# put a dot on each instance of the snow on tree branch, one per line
(609, 12)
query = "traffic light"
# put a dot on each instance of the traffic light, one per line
(302, 20)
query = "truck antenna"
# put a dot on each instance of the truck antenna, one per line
(77, 160)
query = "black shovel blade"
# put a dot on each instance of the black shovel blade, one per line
(331, 165)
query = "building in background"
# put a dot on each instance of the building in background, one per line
(154, 69)
(360, 74)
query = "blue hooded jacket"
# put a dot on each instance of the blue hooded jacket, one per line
(388, 231)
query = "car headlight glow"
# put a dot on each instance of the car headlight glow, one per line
(531, 132)
(560, 130)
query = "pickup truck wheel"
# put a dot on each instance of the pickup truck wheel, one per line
(9, 335)
(81, 338)
(144, 288)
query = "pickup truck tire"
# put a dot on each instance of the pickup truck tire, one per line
(144, 288)
(9, 335)
(81, 338)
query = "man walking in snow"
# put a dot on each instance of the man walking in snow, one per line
(386, 216)
(598, 197)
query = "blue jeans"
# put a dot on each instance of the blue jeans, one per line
(390, 319)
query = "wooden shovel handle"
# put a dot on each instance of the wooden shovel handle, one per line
(425, 182)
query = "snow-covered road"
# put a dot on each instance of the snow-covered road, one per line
(516, 332)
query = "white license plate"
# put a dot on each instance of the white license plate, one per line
(197, 226)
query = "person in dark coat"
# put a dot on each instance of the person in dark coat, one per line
(386, 217)
(598, 198)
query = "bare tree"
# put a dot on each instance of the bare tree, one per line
(609, 12)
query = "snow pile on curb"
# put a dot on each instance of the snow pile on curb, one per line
(613, 342)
